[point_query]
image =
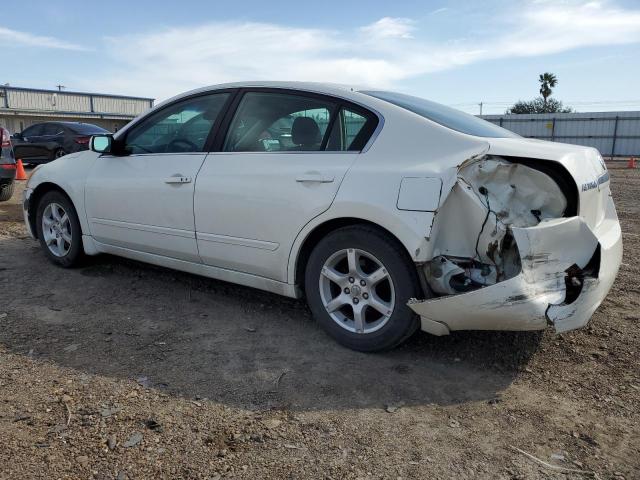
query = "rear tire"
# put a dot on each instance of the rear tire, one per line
(362, 269)
(6, 191)
(59, 153)
(59, 230)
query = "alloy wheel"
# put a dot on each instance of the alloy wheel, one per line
(56, 229)
(357, 291)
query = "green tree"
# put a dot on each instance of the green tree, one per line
(539, 105)
(547, 82)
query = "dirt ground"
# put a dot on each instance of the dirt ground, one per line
(119, 370)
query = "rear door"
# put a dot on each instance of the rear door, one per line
(144, 201)
(280, 165)
(52, 137)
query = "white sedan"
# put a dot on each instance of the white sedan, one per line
(388, 212)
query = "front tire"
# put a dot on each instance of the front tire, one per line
(59, 230)
(6, 191)
(358, 281)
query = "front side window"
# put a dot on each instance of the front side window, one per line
(181, 127)
(266, 122)
(34, 131)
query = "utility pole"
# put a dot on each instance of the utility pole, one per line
(60, 87)
(480, 108)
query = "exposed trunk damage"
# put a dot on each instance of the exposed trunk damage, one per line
(504, 255)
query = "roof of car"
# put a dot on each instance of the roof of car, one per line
(336, 89)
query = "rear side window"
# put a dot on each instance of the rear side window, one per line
(445, 116)
(266, 122)
(88, 129)
(52, 129)
(272, 121)
(350, 131)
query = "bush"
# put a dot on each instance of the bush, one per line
(538, 105)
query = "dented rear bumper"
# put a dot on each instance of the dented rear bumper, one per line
(567, 270)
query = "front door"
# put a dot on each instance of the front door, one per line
(143, 201)
(30, 146)
(281, 165)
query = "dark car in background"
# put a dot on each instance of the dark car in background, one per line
(43, 142)
(7, 166)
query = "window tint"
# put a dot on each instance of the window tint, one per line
(33, 131)
(52, 129)
(446, 116)
(346, 129)
(267, 122)
(181, 127)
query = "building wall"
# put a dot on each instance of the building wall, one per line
(22, 107)
(612, 133)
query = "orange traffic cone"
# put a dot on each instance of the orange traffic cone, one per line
(20, 173)
(631, 163)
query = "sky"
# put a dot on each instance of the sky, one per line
(455, 52)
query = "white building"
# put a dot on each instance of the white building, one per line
(21, 107)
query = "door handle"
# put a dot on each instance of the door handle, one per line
(178, 178)
(314, 177)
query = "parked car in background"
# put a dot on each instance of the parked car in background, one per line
(43, 142)
(390, 213)
(7, 166)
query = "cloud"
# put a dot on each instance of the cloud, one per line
(382, 53)
(389, 27)
(11, 38)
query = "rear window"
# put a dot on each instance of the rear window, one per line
(87, 129)
(445, 116)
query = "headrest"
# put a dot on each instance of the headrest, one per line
(305, 131)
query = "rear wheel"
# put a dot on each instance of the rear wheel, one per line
(358, 281)
(6, 191)
(59, 153)
(59, 229)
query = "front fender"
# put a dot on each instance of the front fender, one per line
(68, 173)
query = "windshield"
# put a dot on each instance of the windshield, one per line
(446, 116)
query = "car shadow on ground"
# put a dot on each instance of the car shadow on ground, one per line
(197, 337)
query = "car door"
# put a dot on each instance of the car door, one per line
(29, 145)
(143, 200)
(273, 174)
(52, 138)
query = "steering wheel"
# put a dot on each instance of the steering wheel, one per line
(190, 145)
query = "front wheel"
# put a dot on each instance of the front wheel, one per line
(59, 229)
(358, 281)
(6, 191)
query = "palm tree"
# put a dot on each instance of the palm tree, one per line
(547, 82)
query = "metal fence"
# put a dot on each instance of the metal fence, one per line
(615, 134)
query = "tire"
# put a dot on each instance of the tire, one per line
(59, 153)
(372, 250)
(6, 191)
(70, 253)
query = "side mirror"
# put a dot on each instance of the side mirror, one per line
(101, 143)
(17, 136)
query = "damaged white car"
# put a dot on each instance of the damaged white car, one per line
(389, 213)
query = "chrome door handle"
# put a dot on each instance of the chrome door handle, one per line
(314, 177)
(177, 178)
